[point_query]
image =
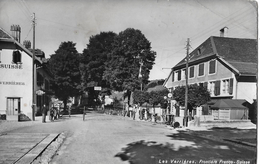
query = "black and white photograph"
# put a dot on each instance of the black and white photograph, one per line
(128, 82)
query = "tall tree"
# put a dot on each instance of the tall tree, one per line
(130, 49)
(92, 64)
(64, 65)
(94, 58)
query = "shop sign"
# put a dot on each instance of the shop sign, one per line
(11, 83)
(97, 88)
(11, 66)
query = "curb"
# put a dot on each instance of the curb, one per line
(46, 155)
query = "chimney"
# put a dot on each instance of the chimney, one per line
(223, 32)
(16, 32)
(27, 44)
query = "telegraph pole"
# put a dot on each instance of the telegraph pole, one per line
(33, 71)
(186, 86)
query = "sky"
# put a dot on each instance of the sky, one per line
(167, 24)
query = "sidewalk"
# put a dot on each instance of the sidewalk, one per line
(22, 148)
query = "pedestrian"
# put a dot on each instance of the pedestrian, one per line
(134, 112)
(69, 109)
(55, 114)
(44, 113)
(52, 113)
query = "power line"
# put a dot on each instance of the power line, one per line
(28, 33)
(26, 7)
(22, 10)
(210, 29)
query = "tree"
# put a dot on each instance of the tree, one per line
(130, 49)
(94, 58)
(157, 97)
(197, 95)
(92, 65)
(64, 65)
(140, 97)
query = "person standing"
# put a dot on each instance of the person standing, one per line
(52, 114)
(44, 113)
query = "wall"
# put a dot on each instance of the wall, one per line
(221, 73)
(16, 82)
(246, 91)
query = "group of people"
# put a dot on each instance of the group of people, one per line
(54, 113)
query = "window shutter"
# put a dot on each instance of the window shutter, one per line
(192, 72)
(217, 88)
(172, 76)
(230, 90)
(19, 56)
(14, 57)
(179, 75)
(201, 69)
(212, 66)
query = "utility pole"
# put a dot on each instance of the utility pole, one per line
(140, 73)
(186, 86)
(33, 71)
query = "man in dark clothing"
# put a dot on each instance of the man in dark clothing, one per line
(44, 113)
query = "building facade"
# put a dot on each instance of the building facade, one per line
(227, 67)
(16, 78)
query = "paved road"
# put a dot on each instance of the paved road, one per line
(106, 139)
(115, 140)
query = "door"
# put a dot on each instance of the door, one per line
(13, 106)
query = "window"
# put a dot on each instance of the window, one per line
(211, 87)
(198, 51)
(217, 88)
(191, 72)
(179, 75)
(225, 86)
(17, 57)
(212, 66)
(201, 69)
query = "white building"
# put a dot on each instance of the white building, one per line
(16, 73)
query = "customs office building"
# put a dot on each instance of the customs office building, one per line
(16, 76)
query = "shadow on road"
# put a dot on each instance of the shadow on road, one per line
(184, 147)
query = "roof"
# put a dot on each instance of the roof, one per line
(245, 68)
(6, 39)
(239, 52)
(156, 88)
(4, 34)
(229, 104)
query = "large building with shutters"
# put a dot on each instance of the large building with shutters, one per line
(227, 67)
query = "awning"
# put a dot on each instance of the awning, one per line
(229, 104)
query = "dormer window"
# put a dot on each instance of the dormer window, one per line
(199, 51)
